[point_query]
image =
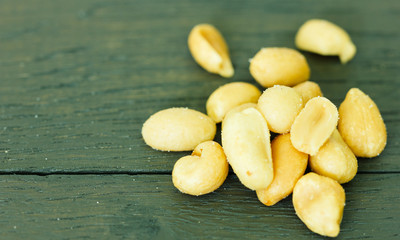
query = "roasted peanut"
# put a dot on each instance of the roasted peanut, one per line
(178, 129)
(280, 106)
(209, 50)
(289, 165)
(361, 124)
(202, 172)
(246, 142)
(229, 96)
(325, 38)
(314, 124)
(308, 90)
(335, 160)
(279, 66)
(319, 202)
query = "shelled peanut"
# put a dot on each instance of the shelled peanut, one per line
(312, 130)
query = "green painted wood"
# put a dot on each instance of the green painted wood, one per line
(149, 207)
(80, 78)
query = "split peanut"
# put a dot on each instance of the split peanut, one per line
(280, 105)
(289, 165)
(279, 66)
(319, 202)
(178, 129)
(209, 50)
(361, 124)
(325, 38)
(335, 160)
(202, 172)
(229, 96)
(246, 141)
(314, 124)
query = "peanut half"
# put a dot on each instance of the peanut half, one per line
(178, 129)
(280, 106)
(335, 160)
(314, 124)
(202, 172)
(319, 202)
(289, 166)
(308, 90)
(279, 66)
(209, 50)
(325, 38)
(361, 124)
(229, 96)
(246, 142)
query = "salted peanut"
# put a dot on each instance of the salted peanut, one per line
(178, 129)
(289, 166)
(202, 172)
(335, 160)
(209, 50)
(229, 96)
(308, 90)
(325, 38)
(279, 66)
(361, 124)
(280, 105)
(319, 202)
(246, 142)
(314, 124)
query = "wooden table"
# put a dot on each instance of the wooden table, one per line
(79, 78)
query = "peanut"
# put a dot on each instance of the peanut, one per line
(335, 160)
(314, 124)
(280, 106)
(246, 142)
(209, 50)
(308, 90)
(279, 66)
(289, 166)
(361, 124)
(202, 172)
(325, 38)
(229, 96)
(178, 129)
(319, 202)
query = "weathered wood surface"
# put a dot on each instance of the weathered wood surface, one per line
(149, 207)
(79, 78)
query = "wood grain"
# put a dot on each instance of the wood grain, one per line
(148, 206)
(79, 78)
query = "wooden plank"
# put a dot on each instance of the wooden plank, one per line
(78, 81)
(148, 206)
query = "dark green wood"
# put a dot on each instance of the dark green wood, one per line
(79, 78)
(148, 207)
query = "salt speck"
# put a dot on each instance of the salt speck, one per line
(45, 158)
(97, 202)
(15, 227)
(156, 187)
(130, 148)
(6, 151)
(58, 219)
(133, 179)
(36, 116)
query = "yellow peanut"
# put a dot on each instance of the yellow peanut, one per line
(319, 202)
(279, 66)
(325, 38)
(246, 142)
(361, 124)
(335, 160)
(202, 172)
(280, 105)
(314, 124)
(209, 50)
(308, 90)
(178, 129)
(289, 166)
(229, 96)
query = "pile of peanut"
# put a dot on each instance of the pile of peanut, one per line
(309, 127)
